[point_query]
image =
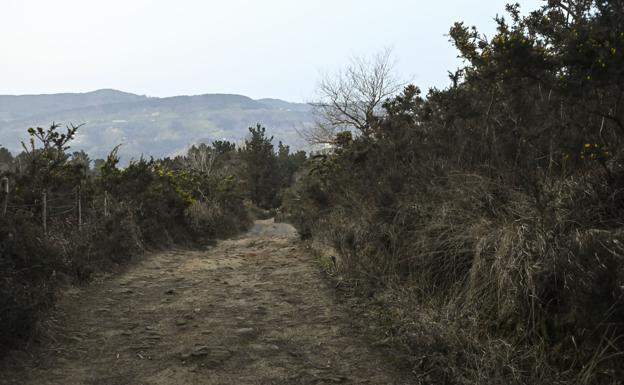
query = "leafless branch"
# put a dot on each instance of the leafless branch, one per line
(351, 98)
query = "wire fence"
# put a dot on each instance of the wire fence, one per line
(53, 207)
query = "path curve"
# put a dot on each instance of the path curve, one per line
(250, 310)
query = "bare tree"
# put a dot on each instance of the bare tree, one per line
(200, 158)
(350, 99)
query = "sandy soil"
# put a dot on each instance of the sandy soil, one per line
(250, 310)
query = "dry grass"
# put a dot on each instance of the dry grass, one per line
(477, 285)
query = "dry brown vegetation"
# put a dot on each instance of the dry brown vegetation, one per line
(484, 222)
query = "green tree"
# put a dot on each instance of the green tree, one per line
(261, 162)
(222, 147)
(288, 163)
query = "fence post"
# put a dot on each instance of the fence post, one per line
(105, 203)
(44, 214)
(79, 204)
(6, 196)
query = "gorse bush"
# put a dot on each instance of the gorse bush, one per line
(224, 213)
(494, 206)
(26, 287)
(153, 192)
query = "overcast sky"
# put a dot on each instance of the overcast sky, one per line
(261, 48)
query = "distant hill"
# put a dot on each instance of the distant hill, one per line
(148, 125)
(22, 106)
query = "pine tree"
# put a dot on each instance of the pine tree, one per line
(261, 162)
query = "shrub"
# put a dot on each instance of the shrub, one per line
(496, 203)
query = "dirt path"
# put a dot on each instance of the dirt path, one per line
(251, 310)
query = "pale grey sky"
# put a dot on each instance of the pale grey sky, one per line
(268, 48)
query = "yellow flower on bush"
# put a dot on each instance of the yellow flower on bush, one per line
(594, 151)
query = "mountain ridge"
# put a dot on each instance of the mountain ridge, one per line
(154, 126)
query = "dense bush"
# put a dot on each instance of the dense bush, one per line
(27, 283)
(223, 213)
(494, 206)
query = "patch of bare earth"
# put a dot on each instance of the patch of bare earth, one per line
(251, 310)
